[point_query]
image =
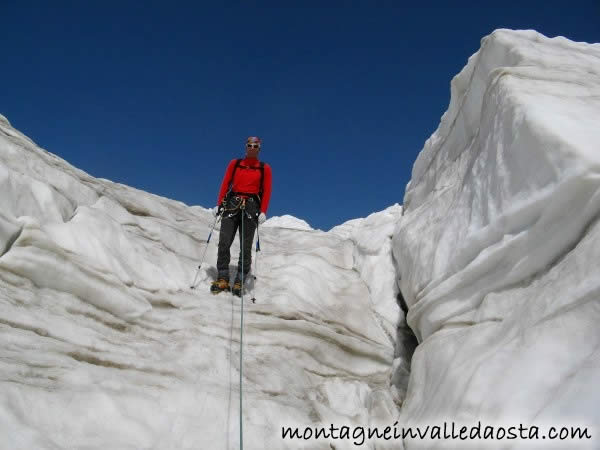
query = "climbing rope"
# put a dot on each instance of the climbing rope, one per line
(243, 207)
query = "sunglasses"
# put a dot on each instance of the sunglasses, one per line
(253, 145)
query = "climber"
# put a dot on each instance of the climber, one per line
(245, 192)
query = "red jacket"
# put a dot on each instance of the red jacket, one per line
(247, 181)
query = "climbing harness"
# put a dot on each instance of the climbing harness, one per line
(232, 205)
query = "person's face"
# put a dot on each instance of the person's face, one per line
(252, 149)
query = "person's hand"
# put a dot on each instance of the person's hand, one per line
(216, 211)
(262, 218)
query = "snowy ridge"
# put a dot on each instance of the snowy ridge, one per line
(498, 249)
(105, 345)
(288, 221)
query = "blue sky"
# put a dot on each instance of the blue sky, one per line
(161, 96)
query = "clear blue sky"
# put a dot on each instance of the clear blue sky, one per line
(161, 95)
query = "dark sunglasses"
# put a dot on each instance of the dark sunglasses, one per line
(253, 145)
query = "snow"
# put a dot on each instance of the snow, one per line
(494, 254)
(106, 346)
(498, 247)
(287, 221)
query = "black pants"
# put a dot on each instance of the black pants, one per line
(229, 226)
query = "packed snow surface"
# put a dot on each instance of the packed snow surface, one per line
(104, 344)
(498, 250)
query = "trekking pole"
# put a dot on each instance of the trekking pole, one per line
(217, 217)
(256, 262)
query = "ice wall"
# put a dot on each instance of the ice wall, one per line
(498, 250)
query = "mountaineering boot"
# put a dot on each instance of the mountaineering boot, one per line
(237, 288)
(219, 286)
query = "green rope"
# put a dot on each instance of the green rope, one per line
(242, 329)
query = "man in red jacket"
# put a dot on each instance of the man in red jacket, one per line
(245, 193)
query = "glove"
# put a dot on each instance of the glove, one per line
(262, 218)
(216, 210)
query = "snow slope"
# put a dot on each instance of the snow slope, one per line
(499, 244)
(105, 345)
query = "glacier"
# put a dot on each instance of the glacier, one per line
(498, 247)
(106, 346)
(477, 299)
